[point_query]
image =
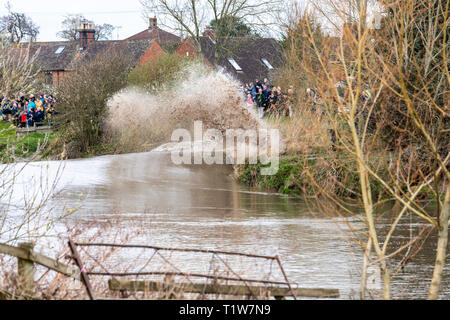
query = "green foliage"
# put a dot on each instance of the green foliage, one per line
(158, 73)
(230, 26)
(29, 144)
(300, 59)
(13, 148)
(287, 180)
(170, 46)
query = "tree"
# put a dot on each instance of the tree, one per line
(231, 27)
(16, 27)
(337, 12)
(366, 80)
(72, 23)
(82, 98)
(161, 72)
(192, 16)
(18, 70)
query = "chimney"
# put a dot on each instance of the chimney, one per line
(87, 34)
(153, 23)
(209, 32)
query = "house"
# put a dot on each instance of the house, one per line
(57, 59)
(168, 41)
(246, 58)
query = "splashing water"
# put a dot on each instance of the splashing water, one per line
(142, 120)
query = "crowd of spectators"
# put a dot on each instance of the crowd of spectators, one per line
(268, 100)
(27, 111)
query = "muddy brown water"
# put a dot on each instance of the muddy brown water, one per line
(203, 207)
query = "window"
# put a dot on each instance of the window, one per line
(268, 65)
(234, 64)
(60, 49)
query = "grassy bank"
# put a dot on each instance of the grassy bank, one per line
(307, 174)
(35, 146)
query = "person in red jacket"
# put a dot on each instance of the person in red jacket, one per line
(23, 120)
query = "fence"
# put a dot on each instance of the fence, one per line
(27, 258)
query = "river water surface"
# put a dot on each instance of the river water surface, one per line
(203, 207)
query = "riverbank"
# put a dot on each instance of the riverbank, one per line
(33, 146)
(301, 174)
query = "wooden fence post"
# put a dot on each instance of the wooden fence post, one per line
(25, 272)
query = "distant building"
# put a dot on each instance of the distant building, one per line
(165, 39)
(57, 59)
(246, 58)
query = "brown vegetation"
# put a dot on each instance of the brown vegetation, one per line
(382, 96)
(82, 99)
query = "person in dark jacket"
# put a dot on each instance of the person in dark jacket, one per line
(258, 84)
(273, 98)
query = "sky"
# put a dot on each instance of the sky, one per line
(49, 14)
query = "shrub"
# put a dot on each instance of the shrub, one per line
(82, 98)
(158, 73)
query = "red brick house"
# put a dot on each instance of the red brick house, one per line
(188, 48)
(57, 59)
(167, 40)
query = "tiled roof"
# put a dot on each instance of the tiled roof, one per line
(208, 49)
(134, 49)
(52, 59)
(62, 55)
(248, 53)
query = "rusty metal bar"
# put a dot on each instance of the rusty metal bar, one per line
(175, 250)
(285, 277)
(240, 278)
(84, 274)
(181, 274)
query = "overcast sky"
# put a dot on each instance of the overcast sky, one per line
(48, 14)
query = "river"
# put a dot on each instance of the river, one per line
(203, 207)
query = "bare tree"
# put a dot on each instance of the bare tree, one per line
(18, 70)
(335, 13)
(383, 93)
(88, 89)
(72, 23)
(192, 16)
(17, 27)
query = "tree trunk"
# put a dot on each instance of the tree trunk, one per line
(386, 280)
(441, 248)
(364, 271)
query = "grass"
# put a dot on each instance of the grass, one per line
(13, 148)
(287, 180)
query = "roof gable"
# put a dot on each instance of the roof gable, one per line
(163, 37)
